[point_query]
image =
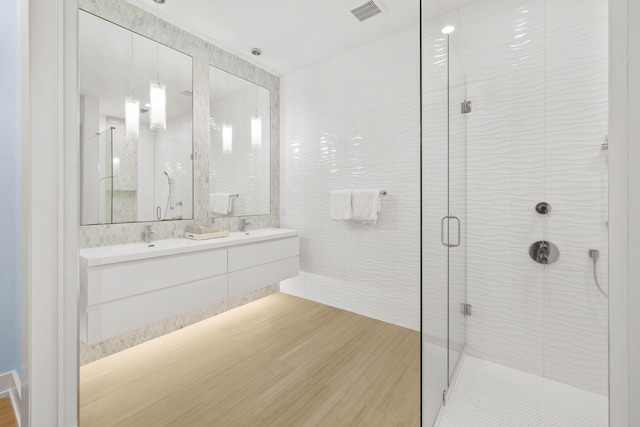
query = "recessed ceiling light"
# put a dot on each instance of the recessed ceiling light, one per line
(448, 29)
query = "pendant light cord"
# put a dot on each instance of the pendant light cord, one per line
(158, 40)
(226, 94)
(132, 64)
(256, 52)
(255, 83)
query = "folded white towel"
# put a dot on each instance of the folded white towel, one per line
(220, 203)
(366, 205)
(340, 202)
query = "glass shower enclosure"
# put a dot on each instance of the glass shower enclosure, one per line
(514, 195)
(444, 216)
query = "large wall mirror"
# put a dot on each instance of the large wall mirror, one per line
(240, 146)
(131, 175)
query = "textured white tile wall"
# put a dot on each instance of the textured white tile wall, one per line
(352, 121)
(536, 73)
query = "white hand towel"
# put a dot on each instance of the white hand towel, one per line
(340, 204)
(366, 205)
(220, 203)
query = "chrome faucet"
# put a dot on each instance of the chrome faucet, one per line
(243, 224)
(148, 232)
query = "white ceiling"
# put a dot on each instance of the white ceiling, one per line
(291, 33)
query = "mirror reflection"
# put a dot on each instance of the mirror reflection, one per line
(240, 121)
(136, 157)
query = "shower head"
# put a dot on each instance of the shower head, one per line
(168, 177)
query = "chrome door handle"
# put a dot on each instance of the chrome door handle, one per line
(449, 218)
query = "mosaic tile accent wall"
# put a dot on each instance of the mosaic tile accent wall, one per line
(93, 352)
(204, 54)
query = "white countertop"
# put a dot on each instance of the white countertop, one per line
(103, 255)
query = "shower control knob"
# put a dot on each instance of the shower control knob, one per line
(543, 208)
(544, 252)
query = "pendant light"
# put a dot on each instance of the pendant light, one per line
(256, 120)
(256, 130)
(157, 89)
(227, 138)
(227, 129)
(132, 108)
(132, 116)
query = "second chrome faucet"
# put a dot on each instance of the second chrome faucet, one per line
(243, 224)
(148, 232)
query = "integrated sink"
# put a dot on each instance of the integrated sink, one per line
(257, 232)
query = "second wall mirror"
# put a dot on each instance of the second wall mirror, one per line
(239, 146)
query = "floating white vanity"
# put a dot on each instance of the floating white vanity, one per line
(126, 287)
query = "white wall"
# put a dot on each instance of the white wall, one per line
(536, 74)
(10, 187)
(352, 121)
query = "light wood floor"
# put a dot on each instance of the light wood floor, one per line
(279, 361)
(7, 418)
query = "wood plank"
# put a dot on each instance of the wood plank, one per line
(281, 360)
(7, 417)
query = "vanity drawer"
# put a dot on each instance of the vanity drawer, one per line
(251, 255)
(122, 280)
(243, 281)
(124, 315)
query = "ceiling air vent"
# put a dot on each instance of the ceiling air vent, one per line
(186, 92)
(366, 11)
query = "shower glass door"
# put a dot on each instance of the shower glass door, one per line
(443, 215)
(455, 227)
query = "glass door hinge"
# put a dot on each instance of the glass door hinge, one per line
(465, 309)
